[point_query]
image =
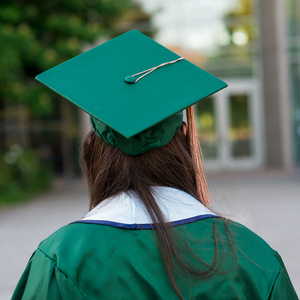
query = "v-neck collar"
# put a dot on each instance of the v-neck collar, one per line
(127, 211)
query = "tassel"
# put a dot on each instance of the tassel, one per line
(196, 153)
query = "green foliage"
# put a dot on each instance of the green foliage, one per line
(239, 18)
(22, 174)
(35, 36)
(237, 43)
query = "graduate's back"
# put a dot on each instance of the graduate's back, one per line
(96, 261)
(149, 236)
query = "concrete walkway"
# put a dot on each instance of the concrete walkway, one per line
(267, 202)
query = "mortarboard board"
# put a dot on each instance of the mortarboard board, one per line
(135, 115)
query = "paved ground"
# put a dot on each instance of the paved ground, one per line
(267, 202)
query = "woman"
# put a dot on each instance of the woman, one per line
(149, 233)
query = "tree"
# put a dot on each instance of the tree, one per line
(35, 36)
(238, 20)
(237, 45)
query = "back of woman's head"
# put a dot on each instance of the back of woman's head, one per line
(109, 171)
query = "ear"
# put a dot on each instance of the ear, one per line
(184, 128)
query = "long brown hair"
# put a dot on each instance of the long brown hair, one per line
(109, 172)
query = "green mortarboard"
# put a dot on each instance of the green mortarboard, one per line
(133, 116)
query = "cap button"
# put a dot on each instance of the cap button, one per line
(130, 79)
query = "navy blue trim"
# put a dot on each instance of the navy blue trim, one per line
(146, 226)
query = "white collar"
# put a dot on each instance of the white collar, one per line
(125, 208)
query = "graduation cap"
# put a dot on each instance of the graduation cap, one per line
(133, 88)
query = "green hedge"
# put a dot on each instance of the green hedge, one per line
(22, 174)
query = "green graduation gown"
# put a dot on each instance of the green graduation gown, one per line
(112, 254)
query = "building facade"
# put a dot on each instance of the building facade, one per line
(254, 46)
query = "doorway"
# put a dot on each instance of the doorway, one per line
(230, 127)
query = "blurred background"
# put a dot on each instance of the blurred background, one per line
(252, 127)
(253, 45)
